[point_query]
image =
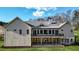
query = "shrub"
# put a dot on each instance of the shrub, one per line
(1, 38)
(76, 39)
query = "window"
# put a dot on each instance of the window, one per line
(45, 31)
(20, 31)
(27, 31)
(66, 40)
(34, 32)
(52, 31)
(41, 31)
(41, 25)
(71, 30)
(49, 31)
(56, 32)
(61, 29)
(38, 31)
(14, 29)
(71, 40)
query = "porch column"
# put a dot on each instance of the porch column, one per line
(52, 40)
(41, 41)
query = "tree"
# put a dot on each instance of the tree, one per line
(75, 19)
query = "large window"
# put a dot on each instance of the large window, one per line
(20, 31)
(38, 31)
(34, 32)
(52, 31)
(41, 31)
(45, 31)
(56, 32)
(49, 31)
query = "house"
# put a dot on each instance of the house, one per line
(39, 32)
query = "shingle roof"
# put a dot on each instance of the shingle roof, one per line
(46, 24)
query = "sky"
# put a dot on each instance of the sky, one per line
(25, 13)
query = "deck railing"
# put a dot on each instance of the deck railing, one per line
(47, 34)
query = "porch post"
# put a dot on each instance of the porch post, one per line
(41, 41)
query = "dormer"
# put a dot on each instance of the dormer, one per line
(41, 24)
(53, 22)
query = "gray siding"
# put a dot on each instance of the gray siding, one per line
(13, 38)
(67, 33)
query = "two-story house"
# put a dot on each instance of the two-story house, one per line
(38, 32)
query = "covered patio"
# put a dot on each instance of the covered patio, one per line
(46, 41)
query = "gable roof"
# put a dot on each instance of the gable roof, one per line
(17, 18)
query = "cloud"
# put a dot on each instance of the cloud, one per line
(45, 8)
(28, 7)
(69, 13)
(38, 13)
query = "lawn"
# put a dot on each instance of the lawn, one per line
(65, 48)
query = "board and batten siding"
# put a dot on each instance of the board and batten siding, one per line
(12, 36)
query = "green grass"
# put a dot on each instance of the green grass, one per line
(65, 48)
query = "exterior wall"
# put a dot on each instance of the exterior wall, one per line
(67, 37)
(67, 33)
(13, 38)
